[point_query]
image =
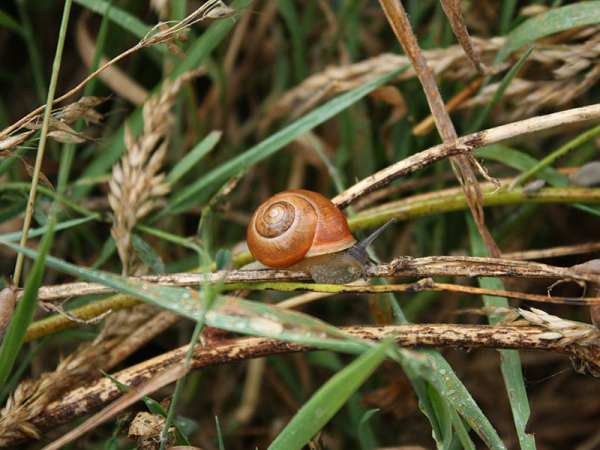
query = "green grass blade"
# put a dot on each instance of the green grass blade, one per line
(121, 17)
(6, 21)
(25, 308)
(431, 366)
(487, 109)
(199, 190)
(34, 232)
(510, 361)
(238, 315)
(196, 54)
(558, 153)
(521, 161)
(323, 405)
(219, 436)
(193, 156)
(554, 21)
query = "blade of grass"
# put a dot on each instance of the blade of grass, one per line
(480, 119)
(34, 232)
(26, 307)
(323, 405)
(219, 436)
(7, 21)
(238, 315)
(194, 156)
(35, 57)
(558, 153)
(553, 21)
(428, 365)
(510, 364)
(521, 161)
(196, 54)
(42, 145)
(200, 190)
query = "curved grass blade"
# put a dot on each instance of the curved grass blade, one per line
(483, 115)
(200, 190)
(193, 156)
(521, 161)
(554, 21)
(233, 314)
(510, 364)
(432, 367)
(323, 405)
(34, 232)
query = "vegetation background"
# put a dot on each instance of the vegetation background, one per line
(159, 166)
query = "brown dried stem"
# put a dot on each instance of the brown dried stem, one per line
(463, 145)
(432, 266)
(460, 163)
(549, 334)
(453, 11)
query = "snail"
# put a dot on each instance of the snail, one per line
(303, 230)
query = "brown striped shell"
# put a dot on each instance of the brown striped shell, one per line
(294, 225)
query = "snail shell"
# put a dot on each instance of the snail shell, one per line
(294, 225)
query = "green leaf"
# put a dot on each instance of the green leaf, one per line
(238, 315)
(322, 406)
(482, 117)
(521, 161)
(510, 361)
(196, 54)
(193, 156)
(365, 434)
(201, 189)
(554, 21)
(25, 307)
(119, 16)
(147, 254)
(219, 436)
(7, 21)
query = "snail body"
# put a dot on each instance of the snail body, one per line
(303, 230)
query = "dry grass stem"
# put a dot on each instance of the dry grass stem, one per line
(548, 334)
(453, 11)
(115, 78)
(463, 145)
(432, 266)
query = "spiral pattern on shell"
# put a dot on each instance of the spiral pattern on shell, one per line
(296, 224)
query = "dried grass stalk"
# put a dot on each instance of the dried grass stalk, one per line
(569, 68)
(136, 183)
